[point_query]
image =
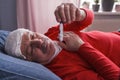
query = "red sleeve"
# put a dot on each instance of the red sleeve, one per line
(76, 25)
(102, 65)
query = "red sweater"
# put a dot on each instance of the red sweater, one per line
(89, 63)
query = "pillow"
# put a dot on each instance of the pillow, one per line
(3, 36)
(17, 69)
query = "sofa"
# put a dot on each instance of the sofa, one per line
(12, 68)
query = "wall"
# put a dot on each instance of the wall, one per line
(8, 20)
(106, 21)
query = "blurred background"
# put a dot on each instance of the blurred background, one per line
(38, 15)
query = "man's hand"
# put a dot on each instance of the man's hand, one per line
(71, 41)
(68, 12)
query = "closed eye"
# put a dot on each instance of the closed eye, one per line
(31, 36)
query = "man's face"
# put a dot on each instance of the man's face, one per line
(37, 47)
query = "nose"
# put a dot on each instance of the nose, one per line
(36, 43)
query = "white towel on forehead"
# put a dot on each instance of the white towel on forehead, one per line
(13, 43)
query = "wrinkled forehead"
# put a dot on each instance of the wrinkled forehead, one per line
(20, 31)
(24, 31)
(18, 34)
(42, 36)
(28, 33)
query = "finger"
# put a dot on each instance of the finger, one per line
(78, 15)
(57, 15)
(73, 12)
(67, 13)
(72, 34)
(69, 35)
(61, 13)
(69, 32)
(66, 39)
(65, 34)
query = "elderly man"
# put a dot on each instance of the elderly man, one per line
(80, 56)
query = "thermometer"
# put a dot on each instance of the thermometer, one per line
(61, 32)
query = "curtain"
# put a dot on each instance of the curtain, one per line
(38, 15)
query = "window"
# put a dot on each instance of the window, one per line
(84, 2)
(91, 2)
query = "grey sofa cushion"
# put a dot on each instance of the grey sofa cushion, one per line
(3, 35)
